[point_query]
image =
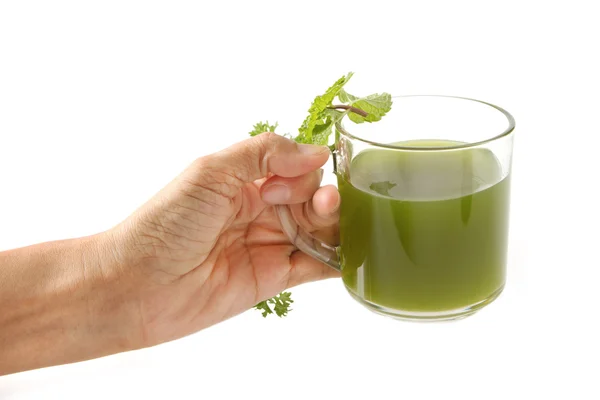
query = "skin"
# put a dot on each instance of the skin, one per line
(205, 248)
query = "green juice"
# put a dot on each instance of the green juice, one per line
(424, 231)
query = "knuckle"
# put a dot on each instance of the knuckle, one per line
(268, 138)
(266, 144)
(213, 174)
(200, 164)
(272, 142)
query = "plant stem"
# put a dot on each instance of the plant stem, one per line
(349, 108)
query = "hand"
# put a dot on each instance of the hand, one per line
(209, 245)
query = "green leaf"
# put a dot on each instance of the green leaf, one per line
(375, 105)
(263, 127)
(383, 188)
(316, 129)
(318, 115)
(265, 307)
(281, 305)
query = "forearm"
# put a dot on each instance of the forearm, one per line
(62, 302)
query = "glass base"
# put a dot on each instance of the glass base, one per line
(434, 316)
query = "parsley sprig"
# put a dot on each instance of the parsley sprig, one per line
(281, 305)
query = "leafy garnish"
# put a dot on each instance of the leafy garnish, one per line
(376, 106)
(316, 129)
(281, 304)
(383, 188)
(263, 127)
(320, 117)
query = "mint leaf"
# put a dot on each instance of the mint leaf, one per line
(383, 188)
(321, 132)
(320, 119)
(262, 127)
(375, 105)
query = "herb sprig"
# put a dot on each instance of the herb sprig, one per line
(316, 129)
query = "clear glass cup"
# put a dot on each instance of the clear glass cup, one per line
(425, 208)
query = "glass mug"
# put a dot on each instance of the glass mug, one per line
(425, 208)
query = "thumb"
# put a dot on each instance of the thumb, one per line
(260, 156)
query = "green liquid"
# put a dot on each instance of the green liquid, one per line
(424, 231)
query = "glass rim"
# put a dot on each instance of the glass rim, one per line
(509, 130)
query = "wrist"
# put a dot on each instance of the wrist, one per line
(113, 293)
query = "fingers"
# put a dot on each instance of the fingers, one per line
(262, 155)
(280, 190)
(321, 212)
(314, 208)
(325, 203)
(306, 269)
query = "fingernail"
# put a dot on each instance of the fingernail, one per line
(337, 205)
(311, 149)
(276, 194)
(321, 172)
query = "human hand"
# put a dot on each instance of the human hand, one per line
(210, 246)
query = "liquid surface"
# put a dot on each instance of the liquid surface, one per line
(424, 231)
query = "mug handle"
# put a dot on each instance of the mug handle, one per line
(304, 241)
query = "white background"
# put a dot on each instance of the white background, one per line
(102, 103)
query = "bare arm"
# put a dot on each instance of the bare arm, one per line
(205, 248)
(61, 302)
